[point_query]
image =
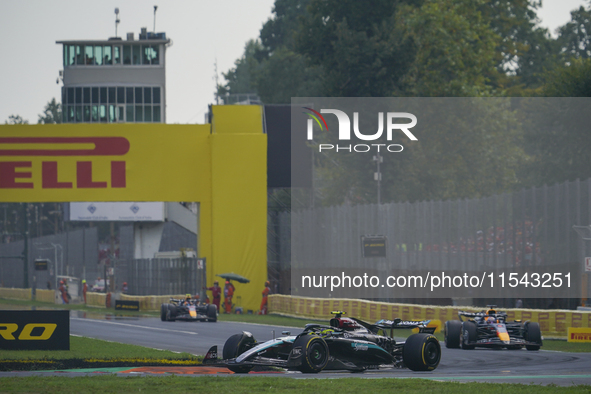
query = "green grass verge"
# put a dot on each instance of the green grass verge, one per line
(564, 346)
(218, 384)
(92, 353)
(82, 347)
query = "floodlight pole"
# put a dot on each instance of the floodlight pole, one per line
(378, 175)
(26, 247)
(116, 20)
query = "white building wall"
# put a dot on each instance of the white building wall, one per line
(109, 75)
(147, 239)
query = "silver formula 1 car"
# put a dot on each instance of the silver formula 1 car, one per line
(491, 329)
(346, 344)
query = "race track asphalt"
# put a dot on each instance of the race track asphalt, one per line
(482, 365)
(178, 336)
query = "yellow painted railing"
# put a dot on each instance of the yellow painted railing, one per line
(552, 322)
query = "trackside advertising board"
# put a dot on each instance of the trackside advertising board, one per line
(579, 334)
(35, 330)
(123, 305)
(87, 162)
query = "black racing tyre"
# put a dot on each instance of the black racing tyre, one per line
(171, 313)
(163, 311)
(421, 352)
(212, 313)
(453, 331)
(533, 334)
(314, 352)
(469, 333)
(234, 347)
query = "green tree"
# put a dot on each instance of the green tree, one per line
(455, 56)
(573, 80)
(361, 48)
(52, 113)
(269, 66)
(241, 78)
(16, 119)
(286, 74)
(278, 31)
(466, 148)
(524, 51)
(407, 48)
(456, 49)
(574, 38)
(558, 137)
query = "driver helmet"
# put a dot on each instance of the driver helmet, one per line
(490, 320)
(188, 297)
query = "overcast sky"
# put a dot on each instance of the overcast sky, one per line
(201, 31)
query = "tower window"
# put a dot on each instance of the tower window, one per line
(116, 55)
(109, 104)
(126, 54)
(100, 55)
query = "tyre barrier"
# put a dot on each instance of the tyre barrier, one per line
(553, 322)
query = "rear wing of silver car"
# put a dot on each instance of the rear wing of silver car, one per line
(405, 324)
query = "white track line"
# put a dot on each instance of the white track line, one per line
(133, 325)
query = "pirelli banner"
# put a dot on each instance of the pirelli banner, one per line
(87, 162)
(35, 330)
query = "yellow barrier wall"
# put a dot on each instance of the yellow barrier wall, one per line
(15, 294)
(552, 322)
(97, 300)
(238, 211)
(45, 296)
(150, 303)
